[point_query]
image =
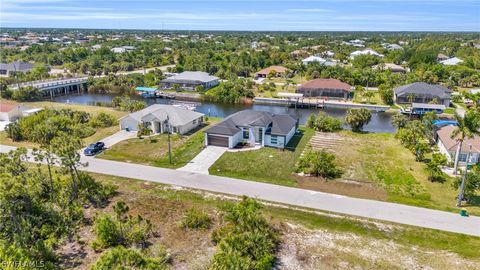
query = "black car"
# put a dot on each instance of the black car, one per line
(94, 149)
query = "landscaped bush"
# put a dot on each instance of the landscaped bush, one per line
(246, 241)
(125, 103)
(323, 122)
(319, 163)
(124, 258)
(196, 219)
(121, 229)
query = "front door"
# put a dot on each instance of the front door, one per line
(258, 135)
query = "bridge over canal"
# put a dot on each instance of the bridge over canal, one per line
(57, 86)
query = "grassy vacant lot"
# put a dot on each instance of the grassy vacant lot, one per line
(375, 166)
(154, 151)
(308, 240)
(93, 110)
(264, 165)
(380, 159)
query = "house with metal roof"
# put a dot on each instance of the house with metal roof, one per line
(159, 117)
(6, 69)
(421, 92)
(249, 127)
(189, 80)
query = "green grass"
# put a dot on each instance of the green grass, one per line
(380, 158)
(264, 165)
(449, 110)
(376, 99)
(424, 239)
(154, 151)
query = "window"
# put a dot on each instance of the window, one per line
(194, 121)
(462, 157)
(273, 139)
(246, 134)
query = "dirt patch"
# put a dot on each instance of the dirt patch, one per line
(346, 187)
(320, 249)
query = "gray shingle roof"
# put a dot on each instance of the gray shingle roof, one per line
(190, 77)
(281, 123)
(176, 115)
(423, 89)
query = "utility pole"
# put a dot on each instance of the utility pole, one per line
(169, 144)
(462, 184)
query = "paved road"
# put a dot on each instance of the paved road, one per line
(392, 212)
(204, 160)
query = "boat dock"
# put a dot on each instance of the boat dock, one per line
(318, 103)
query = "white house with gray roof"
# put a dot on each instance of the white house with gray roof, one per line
(252, 128)
(189, 80)
(7, 69)
(159, 116)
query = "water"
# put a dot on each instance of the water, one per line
(380, 121)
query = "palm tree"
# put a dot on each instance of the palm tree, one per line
(468, 126)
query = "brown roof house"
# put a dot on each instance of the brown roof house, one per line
(448, 146)
(278, 71)
(331, 88)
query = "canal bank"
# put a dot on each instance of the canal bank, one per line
(380, 122)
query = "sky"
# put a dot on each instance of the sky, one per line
(248, 15)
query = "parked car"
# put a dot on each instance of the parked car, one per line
(94, 149)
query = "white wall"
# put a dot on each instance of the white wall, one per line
(235, 139)
(189, 126)
(129, 122)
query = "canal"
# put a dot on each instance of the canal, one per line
(380, 121)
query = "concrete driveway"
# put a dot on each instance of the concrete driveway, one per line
(204, 160)
(118, 137)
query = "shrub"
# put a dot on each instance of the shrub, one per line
(196, 219)
(124, 258)
(121, 229)
(327, 123)
(319, 163)
(27, 94)
(103, 120)
(246, 241)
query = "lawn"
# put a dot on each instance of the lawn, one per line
(345, 237)
(154, 151)
(375, 166)
(264, 165)
(380, 159)
(375, 99)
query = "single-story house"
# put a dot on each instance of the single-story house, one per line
(390, 66)
(367, 51)
(331, 88)
(451, 61)
(6, 69)
(279, 71)
(190, 80)
(253, 128)
(12, 112)
(159, 116)
(320, 60)
(421, 92)
(448, 146)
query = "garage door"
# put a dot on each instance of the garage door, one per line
(217, 140)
